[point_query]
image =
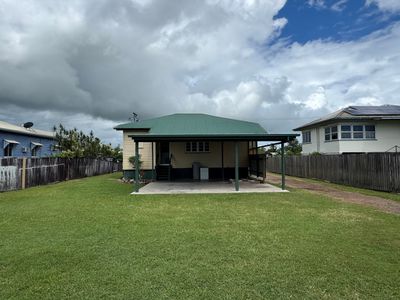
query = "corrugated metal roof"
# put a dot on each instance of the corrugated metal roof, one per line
(4, 126)
(194, 124)
(383, 112)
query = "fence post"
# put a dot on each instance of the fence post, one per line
(23, 173)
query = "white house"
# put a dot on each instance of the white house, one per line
(354, 129)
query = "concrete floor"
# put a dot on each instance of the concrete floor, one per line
(205, 187)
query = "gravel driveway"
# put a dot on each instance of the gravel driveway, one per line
(352, 197)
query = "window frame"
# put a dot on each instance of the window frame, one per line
(195, 147)
(8, 150)
(307, 137)
(328, 132)
(35, 150)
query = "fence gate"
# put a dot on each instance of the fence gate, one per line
(8, 178)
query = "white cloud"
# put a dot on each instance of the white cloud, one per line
(317, 3)
(386, 5)
(91, 63)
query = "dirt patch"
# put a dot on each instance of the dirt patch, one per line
(352, 197)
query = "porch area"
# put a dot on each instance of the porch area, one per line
(206, 187)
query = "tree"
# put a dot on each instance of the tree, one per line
(272, 150)
(73, 143)
(293, 148)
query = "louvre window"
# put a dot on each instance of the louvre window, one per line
(306, 137)
(197, 147)
(358, 131)
(348, 132)
(369, 131)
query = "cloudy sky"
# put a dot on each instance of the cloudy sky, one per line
(91, 63)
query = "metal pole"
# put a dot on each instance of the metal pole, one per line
(222, 160)
(283, 165)
(152, 161)
(236, 166)
(136, 167)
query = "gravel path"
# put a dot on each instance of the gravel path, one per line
(352, 197)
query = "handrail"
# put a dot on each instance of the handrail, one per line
(396, 149)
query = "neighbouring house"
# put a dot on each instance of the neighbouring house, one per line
(354, 129)
(192, 146)
(20, 141)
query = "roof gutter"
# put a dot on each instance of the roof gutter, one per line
(216, 137)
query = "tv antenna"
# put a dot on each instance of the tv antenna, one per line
(134, 118)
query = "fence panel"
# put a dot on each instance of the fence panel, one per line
(377, 171)
(41, 171)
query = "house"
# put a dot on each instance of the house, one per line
(20, 141)
(175, 147)
(354, 129)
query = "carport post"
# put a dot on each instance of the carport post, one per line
(152, 161)
(236, 166)
(136, 167)
(283, 164)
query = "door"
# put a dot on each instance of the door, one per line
(164, 153)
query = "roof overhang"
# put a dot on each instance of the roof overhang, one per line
(345, 120)
(8, 142)
(215, 137)
(35, 144)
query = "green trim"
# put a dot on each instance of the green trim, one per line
(210, 137)
(283, 166)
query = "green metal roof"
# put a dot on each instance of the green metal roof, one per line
(194, 124)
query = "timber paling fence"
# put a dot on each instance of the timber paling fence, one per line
(20, 173)
(376, 171)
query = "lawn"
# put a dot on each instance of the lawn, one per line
(90, 238)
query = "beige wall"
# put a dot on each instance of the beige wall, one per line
(182, 159)
(212, 159)
(387, 135)
(129, 150)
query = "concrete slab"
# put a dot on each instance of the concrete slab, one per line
(205, 187)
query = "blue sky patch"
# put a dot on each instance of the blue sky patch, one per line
(337, 20)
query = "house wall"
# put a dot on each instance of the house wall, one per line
(212, 159)
(387, 133)
(25, 142)
(129, 150)
(182, 160)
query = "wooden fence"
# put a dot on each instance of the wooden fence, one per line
(19, 173)
(257, 165)
(377, 171)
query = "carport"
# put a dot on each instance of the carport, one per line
(235, 139)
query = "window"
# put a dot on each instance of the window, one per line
(327, 134)
(331, 133)
(369, 131)
(197, 147)
(334, 132)
(358, 131)
(345, 131)
(8, 150)
(306, 137)
(34, 151)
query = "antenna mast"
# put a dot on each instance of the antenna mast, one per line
(134, 118)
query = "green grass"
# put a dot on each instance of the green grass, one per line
(90, 238)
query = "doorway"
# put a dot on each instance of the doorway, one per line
(163, 154)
